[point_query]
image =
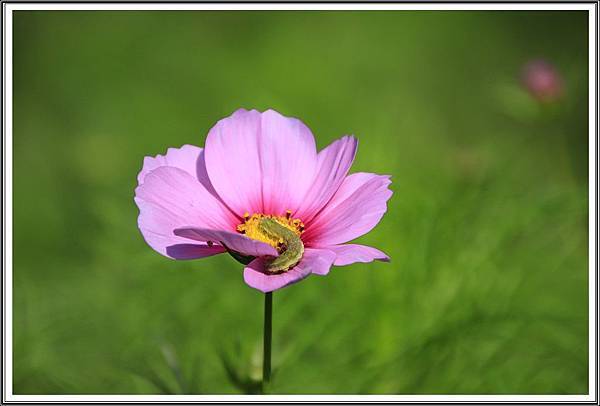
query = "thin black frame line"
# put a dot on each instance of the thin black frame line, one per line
(378, 2)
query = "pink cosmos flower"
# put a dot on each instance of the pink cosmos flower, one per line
(255, 166)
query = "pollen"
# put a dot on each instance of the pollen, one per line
(250, 228)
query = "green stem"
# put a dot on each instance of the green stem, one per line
(267, 340)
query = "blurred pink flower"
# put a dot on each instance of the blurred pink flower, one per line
(542, 80)
(198, 202)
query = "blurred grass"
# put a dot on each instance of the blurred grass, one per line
(487, 229)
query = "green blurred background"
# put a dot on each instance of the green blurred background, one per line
(487, 228)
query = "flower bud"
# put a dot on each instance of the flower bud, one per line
(542, 80)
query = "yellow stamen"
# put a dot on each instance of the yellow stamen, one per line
(250, 228)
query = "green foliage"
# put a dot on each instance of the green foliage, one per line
(487, 229)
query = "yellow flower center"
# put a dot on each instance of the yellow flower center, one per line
(251, 229)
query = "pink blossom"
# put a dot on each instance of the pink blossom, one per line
(542, 80)
(197, 202)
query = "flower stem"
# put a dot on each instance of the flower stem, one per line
(267, 340)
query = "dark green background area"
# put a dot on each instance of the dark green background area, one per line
(486, 292)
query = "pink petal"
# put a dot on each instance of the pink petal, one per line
(193, 251)
(188, 158)
(320, 260)
(354, 210)
(233, 241)
(350, 253)
(178, 248)
(261, 162)
(334, 161)
(314, 261)
(171, 198)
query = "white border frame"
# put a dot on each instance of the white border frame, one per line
(7, 383)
